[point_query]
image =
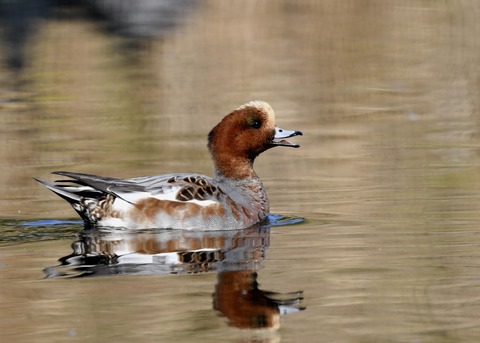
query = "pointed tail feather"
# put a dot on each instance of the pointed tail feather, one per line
(73, 195)
(69, 196)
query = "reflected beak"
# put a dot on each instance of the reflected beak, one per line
(280, 134)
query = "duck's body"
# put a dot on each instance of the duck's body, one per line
(233, 199)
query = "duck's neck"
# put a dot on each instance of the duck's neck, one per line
(234, 167)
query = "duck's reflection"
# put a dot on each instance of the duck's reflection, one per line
(236, 256)
(238, 297)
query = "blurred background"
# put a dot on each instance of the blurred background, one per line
(130, 88)
(387, 176)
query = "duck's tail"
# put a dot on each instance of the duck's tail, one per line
(80, 197)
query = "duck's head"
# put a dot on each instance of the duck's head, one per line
(244, 134)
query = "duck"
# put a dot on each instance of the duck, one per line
(233, 199)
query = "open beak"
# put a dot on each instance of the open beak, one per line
(280, 134)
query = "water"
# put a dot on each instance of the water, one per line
(387, 175)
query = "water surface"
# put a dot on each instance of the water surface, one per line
(387, 176)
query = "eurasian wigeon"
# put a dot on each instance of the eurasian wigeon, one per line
(233, 199)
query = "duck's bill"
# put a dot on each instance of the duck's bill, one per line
(281, 134)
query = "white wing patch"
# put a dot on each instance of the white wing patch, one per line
(170, 195)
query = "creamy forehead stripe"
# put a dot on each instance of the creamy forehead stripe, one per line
(262, 106)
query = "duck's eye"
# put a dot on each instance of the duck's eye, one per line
(255, 123)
